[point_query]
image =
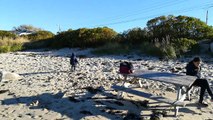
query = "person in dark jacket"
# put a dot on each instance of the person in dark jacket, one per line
(193, 68)
(73, 62)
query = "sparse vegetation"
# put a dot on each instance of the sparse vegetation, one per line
(6, 34)
(11, 45)
(111, 48)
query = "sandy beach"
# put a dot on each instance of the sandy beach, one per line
(42, 87)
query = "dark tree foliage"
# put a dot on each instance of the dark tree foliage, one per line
(135, 36)
(26, 28)
(178, 27)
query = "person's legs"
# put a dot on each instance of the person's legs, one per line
(202, 91)
(203, 83)
(206, 85)
(74, 67)
(188, 90)
(196, 83)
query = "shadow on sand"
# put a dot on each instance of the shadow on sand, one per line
(91, 103)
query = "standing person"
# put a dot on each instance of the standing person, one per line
(73, 62)
(193, 68)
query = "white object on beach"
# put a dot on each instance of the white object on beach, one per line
(126, 85)
(9, 76)
(183, 97)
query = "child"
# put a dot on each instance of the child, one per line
(73, 62)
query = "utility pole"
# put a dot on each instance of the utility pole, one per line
(207, 12)
(59, 29)
(207, 16)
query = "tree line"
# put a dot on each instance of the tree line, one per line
(166, 34)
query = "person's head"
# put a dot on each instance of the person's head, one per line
(73, 54)
(196, 61)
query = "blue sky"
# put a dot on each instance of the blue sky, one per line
(120, 15)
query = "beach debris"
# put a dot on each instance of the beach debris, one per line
(73, 99)
(3, 91)
(34, 103)
(144, 103)
(132, 116)
(85, 112)
(157, 114)
(93, 90)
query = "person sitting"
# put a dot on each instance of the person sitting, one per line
(193, 68)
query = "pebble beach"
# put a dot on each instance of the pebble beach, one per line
(43, 87)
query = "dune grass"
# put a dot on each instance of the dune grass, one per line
(11, 45)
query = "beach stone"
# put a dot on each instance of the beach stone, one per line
(1, 74)
(170, 89)
(45, 110)
(45, 76)
(9, 76)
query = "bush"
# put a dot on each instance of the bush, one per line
(111, 49)
(6, 34)
(16, 47)
(169, 52)
(8, 44)
(39, 35)
(84, 38)
(168, 48)
(183, 45)
(13, 48)
(150, 49)
(4, 49)
(195, 49)
(38, 44)
(158, 49)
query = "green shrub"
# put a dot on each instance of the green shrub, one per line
(84, 38)
(16, 47)
(4, 49)
(168, 52)
(111, 49)
(183, 45)
(39, 35)
(195, 49)
(11, 45)
(150, 49)
(158, 49)
(6, 34)
(13, 48)
(38, 44)
(169, 48)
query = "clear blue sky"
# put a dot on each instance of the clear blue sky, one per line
(119, 15)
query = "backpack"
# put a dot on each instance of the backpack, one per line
(126, 67)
